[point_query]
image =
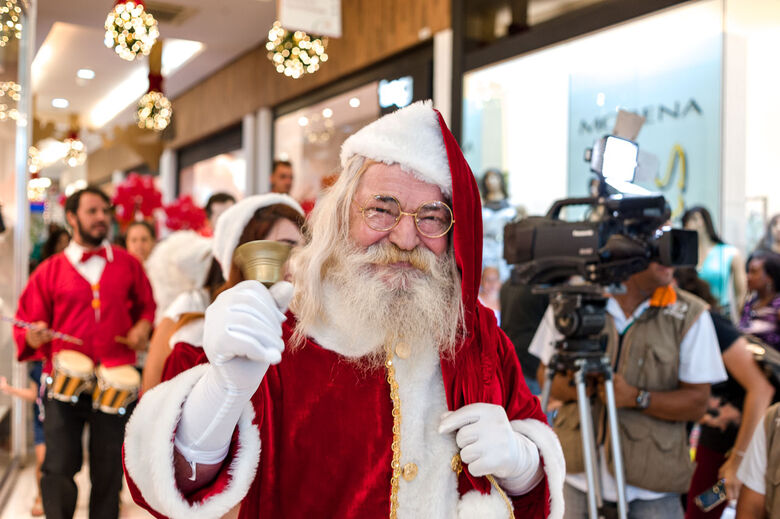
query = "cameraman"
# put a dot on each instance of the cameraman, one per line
(665, 356)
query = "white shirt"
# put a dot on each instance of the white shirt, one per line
(92, 269)
(752, 470)
(700, 363)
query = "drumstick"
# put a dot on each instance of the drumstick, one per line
(31, 326)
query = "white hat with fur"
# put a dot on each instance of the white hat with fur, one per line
(410, 137)
(231, 224)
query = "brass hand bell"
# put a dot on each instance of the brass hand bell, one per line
(262, 260)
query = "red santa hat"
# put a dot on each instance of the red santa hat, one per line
(232, 222)
(410, 137)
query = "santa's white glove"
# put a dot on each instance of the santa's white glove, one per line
(242, 339)
(489, 445)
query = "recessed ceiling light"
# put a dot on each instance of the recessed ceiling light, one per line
(85, 73)
(354, 102)
(327, 113)
(59, 102)
(303, 120)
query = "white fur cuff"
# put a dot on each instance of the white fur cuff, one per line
(552, 454)
(476, 505)
(149, 451)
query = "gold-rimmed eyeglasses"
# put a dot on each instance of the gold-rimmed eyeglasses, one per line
(383, 212)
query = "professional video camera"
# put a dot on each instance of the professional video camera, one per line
(624, 233)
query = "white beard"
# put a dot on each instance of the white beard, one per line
(370, 305)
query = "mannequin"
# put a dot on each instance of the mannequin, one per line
(720, 265)
(496, 213)
(771, 240)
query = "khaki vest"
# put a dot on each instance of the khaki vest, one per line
(772, 475)
(655, 451)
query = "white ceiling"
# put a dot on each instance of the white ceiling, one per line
(73, 30)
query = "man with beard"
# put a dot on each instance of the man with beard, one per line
(387, 390)
(97, 293)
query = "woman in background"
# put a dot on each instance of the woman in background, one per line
(761, 314)
(140, 239)
(271, 216)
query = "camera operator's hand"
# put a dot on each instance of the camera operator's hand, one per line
(625, 393)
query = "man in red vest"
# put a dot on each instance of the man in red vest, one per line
(97, 293)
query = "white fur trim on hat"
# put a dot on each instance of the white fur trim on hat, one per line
(232, 222)
(178, 264)
(410, 137)
(149, 451)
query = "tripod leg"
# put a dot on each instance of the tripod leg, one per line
(614, 435)
(549, 375)
(588, 448)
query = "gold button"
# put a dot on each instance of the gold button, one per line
(409, 472)
(456, 464)
(403, 350)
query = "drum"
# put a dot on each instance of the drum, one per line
(116, 389)
(72, 375)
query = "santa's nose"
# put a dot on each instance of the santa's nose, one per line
(404, 235)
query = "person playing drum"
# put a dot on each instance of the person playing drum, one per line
(98, 294)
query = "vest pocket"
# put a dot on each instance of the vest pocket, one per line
(567, 427)
(659, 372)
(655, 453)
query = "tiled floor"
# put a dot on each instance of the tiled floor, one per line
(23, 495)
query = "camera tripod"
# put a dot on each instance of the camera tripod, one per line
(580, 317)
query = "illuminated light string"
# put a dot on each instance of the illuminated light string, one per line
(295, 53)
(10, 21)
(10, 93)
(130, 30)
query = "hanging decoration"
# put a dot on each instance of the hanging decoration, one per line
(154, 109)
(10, 21)
(34, 160)
(76, 151)
(10, 93)
(136, 197)
(130, 30)
(295, 53)
(183, 213)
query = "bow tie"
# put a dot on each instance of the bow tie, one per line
(88, 254)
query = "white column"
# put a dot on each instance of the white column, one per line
(734, 156)
(265, 149)
(168, 174)
(249, 147)
(442, 73)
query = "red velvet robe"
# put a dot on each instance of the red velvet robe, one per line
(326, 429)
(60, 296)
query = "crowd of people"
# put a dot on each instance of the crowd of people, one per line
(393, 370)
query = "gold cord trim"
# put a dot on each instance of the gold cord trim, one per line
(396, 445)
(503, 495)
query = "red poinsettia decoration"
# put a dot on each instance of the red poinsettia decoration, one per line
(183, 213)
(137, 194)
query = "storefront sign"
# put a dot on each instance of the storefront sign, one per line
(681, 134)
(319, 17)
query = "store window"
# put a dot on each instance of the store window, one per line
(311, 137)
(215, 164)
(224, 173)
(532, 117)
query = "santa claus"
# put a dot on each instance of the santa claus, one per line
(388, 389)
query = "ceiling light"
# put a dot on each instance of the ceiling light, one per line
(303, 120)
(59, 102)
(327, 113)
(354, 102)
(85, 73)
